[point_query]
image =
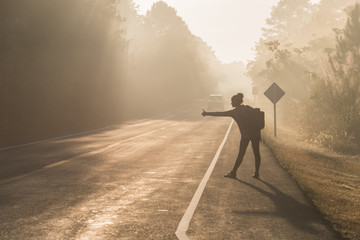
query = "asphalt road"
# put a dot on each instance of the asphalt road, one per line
(135, 181)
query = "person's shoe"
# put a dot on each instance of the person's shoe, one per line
(230, 175)
(256, 175)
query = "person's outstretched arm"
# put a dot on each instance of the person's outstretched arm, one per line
(217, 114)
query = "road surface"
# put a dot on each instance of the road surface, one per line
(135, 181)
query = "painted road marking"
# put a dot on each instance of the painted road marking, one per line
(185, 221)
(56, 164)
(56, 138)
(85, 154)
(93, 130)
(95, 152)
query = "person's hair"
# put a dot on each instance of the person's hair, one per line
(237, 99)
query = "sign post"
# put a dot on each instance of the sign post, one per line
(254, 93)
(274, 93)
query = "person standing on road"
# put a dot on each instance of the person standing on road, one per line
(240, 114)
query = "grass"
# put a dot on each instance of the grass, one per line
(330, 180)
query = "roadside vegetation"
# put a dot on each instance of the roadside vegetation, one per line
(329, 179)
(312, 51)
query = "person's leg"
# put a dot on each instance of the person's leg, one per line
(256, 149)
(243, 145)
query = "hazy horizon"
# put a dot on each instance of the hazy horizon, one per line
(217, 28)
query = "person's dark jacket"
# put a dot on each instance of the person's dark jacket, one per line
(241, 115)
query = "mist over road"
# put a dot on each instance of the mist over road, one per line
(135, 180)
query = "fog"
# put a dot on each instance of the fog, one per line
(229, 27)
(312, 52)
(72, 66)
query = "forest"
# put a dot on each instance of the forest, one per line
(312, 52)
(73, 66)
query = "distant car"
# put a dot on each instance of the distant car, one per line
(215, 102)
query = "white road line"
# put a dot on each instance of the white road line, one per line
(93, 130)
(185, 221)
(106, 148)
(56, 138)
(56, 164)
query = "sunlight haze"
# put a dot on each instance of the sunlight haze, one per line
(230, 27)
(180, 119)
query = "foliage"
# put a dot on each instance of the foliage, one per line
(318, 71)
(169, 65)
(287, 19)
(68, 66)
(279, 53)
(57, 67)
(335, 102)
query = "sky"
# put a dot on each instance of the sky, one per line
(230, 27)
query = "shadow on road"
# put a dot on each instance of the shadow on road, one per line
(301, 216)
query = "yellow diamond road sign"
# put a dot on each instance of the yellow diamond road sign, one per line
(274, 93)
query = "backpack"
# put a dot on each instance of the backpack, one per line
(256, 119)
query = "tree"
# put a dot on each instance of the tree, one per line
(327, 15)
(335, 102)
(60, 67)
(276, 59)
(169, 62)
(287, 20)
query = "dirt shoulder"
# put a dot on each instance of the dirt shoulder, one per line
(272, 207)
(330, 180)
